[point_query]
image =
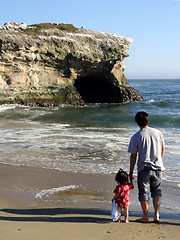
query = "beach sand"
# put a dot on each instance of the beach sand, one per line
(82, 212)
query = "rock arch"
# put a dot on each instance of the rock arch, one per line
(97, 88)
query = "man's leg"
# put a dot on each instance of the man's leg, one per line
(143, 187)
(156, 193)
(145, 207)
(156, 204)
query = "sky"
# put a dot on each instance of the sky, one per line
(154, 26)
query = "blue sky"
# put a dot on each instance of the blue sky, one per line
(154, 26)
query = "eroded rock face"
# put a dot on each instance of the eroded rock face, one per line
(49, 64)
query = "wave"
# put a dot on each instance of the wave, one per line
(52, 191)
(111, 116)
(7, 107)
(165, 121)
(162, 101)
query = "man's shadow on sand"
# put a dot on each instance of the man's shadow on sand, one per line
(47, 215)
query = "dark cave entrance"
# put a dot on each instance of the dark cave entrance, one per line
(97, 89)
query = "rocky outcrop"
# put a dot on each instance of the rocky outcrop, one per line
(49, 64)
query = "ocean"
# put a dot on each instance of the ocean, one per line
(92, 138)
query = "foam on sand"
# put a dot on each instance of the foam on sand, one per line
(52, 191)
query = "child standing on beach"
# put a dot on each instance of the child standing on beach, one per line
(121, 196)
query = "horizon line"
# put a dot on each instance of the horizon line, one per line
(153, 78)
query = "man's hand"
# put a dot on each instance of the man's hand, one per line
(131, 177)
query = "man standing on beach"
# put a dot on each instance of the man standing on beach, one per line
(148, 144)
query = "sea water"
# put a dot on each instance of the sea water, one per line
(92, 138)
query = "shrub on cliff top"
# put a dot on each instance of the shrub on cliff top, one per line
(35, 28)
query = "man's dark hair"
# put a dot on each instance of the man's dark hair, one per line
(142, 119)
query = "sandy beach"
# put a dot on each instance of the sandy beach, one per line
(34, 206)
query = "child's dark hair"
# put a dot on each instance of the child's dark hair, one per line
(121, 177)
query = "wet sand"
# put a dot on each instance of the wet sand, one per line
(81, 213)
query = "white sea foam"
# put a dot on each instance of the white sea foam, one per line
(71, 146)
(6, 107)
(52, 191)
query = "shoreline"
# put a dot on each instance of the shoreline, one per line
(28, 187)
(78, 213)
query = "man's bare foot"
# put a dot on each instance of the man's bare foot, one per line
(156, 221)
(142, 220)
(126, 221)
(156, 218)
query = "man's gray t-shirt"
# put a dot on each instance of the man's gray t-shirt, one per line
(148, 142)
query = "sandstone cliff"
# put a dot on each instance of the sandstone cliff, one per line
(49, 64)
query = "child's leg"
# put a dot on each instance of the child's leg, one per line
(126, 214)
(119, 210)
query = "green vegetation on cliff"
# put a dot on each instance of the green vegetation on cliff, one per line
(36, 28)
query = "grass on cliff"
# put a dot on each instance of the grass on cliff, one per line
(36, 28)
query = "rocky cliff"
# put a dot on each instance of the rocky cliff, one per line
(49, 64)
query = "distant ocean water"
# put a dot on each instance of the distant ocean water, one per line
(92, 138)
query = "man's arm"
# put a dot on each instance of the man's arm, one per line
(132, 164)
(163, 150)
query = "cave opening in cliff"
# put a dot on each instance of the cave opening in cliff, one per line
(97, 89)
